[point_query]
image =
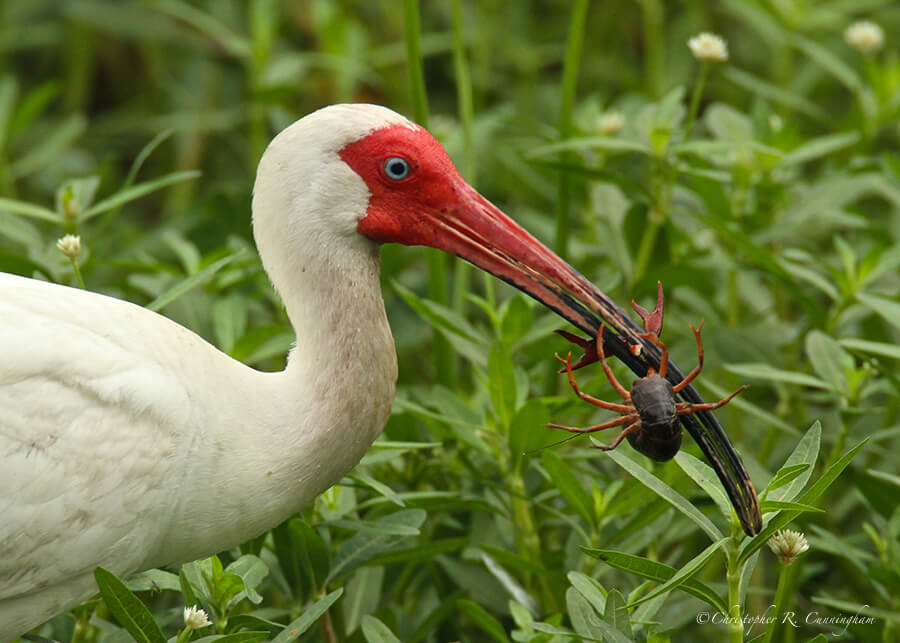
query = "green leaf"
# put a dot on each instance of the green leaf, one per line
(762, 371)
(561, 631)
(49, 148)
(607, 144)
(810, 496)
(483, 620)
(363, 595)
(706, 479)
(666, 492)
(207, 24)
(310, 615)
(30, 210)
(252, 570)
(805, 453)
(769, 506)
(776, 94)
(571, 489)
(137, 191)
(502, 385)
(887, 308)
(76, 195)
(9, 90)
(850, 607)
(458, 331)
(518, 318)
(229, 320)
(362, 476)
(816, 148)
(829, 62)
(658, 572)
(377, 632)
(364, 546)
(314, 556)
(236, 637)
(583, 617)
(154, 580)
(682, 575)
(590, 588)
(527, 431)
(129, 610)
(882, 349)
(186, 585)
(616, 613)
(420, 553)
(825, 355)
(189, 283)
(786, 474)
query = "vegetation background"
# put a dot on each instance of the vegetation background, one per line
(763, 191)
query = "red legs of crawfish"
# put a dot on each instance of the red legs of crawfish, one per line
(619, 408)
(634, 427)
(630, 416)
(685, 408)
(694, 373)
(619, 421)
(663, 358)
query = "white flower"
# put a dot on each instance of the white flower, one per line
(70, 245)
(776, 124)
(709, 48)
(787, 545)
(865, 36)
(610, 123)
(195, 618)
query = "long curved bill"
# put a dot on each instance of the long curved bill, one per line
(477, 231)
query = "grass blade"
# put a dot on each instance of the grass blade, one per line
(659, 572)
(667, 493)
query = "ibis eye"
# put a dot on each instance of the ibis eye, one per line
(396, 168)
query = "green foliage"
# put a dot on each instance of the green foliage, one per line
(764, 192)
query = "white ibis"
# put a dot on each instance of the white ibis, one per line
(129, 442)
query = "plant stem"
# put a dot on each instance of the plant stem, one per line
(782, 598)
(437, 261)
(656, 217)
(77, 272)
(653, 46)
(465, 105)
(695, 100)
(569, 83)
(735, 625)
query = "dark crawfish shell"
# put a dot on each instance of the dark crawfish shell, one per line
(660, 435)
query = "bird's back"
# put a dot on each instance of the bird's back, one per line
(88, 401)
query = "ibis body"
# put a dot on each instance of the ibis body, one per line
(129, 442)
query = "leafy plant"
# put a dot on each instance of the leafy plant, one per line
(764, 191)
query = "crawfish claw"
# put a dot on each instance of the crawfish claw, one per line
(589, 346)
(653, 321)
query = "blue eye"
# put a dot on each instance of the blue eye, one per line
(396, 168)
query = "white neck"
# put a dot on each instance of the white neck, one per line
(312, 422)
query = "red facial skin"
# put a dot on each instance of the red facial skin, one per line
(435, 207)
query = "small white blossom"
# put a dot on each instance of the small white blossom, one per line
(70, 245)
(195, 618)
(776, 124)
(787, 545)
(610, 123)
(865, 36)
(709, 48)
